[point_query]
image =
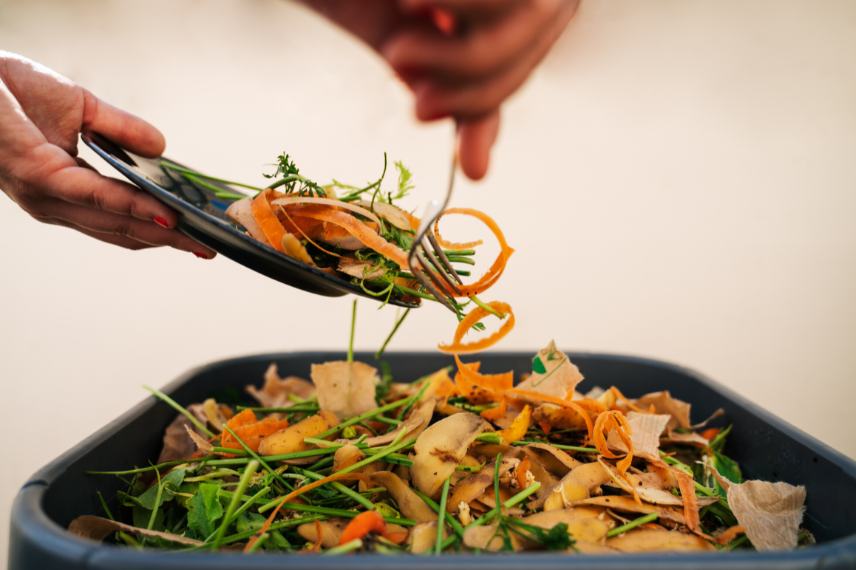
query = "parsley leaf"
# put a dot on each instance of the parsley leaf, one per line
(204, 510)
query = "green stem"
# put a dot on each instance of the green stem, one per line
(511, 502)
(490, 437)
(395, 328)
(355, 544)
(487, 307)
(258, 543)
(250, 501)
(233, 504)
(353, 327)
(441, 516)
(327, 511)
(347, 491)
(275, 526)
(559, 446)
(453, 522)
(297, 408)
(180, 409)
(257, 457)
(182, 170)
(362, 417)
(632, 524)
(218, 192)
(158, 496)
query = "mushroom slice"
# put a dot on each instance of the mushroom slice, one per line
(276, 392)
(98, 528)
(441, 447)
(416, 422)
(556, 461)
(361, 269)
(577, 485)
(656, 540)
(664, 403)
(582, 547)
(626, 504)
(423, 536)
(553, 374)
(389, 212)
(645, 430)
(583, 524)
(470, 488)
(409, 503)
(345, 388)
(771, 513)
(487, 538)
(331, 531)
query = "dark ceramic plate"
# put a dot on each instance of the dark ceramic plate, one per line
(202, 216)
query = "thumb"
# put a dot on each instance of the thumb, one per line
(121, 127)
(476, 138)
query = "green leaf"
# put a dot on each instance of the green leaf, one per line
(556, 538)
(718, 442)
(205, 509)
(170, 484)
(728, 468)
(249, 521)
(405, 181)
(538, 366)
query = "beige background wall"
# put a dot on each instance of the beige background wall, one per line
(678, 180)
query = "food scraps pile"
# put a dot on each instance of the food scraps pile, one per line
(456, 461)
(358, 233)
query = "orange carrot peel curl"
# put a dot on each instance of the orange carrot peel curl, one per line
(606, 422)
(365, 234)
(497, 267)
(267, 220)
(363, 524)
(473, 317)
(619, 396)
(477, 387)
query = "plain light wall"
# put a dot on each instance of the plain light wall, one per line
(677, 178)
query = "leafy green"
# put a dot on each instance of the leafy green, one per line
(169, 484)
(205, 509)
(556, 538)
(249, 521)
(287, 175)
(405, 182)
(718, 442)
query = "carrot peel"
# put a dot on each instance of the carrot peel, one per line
(361, 525)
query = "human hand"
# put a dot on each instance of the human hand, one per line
(493, 47)
(41, 117)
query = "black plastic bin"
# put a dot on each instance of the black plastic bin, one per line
(765, 446)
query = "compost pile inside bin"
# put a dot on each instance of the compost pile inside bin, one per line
(456, 461)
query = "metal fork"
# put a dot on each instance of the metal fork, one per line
(427, 260)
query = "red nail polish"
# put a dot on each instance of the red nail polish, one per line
(161, 221)
(201, 255)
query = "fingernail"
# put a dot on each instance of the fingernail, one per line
(201, 255)
(161, 221)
